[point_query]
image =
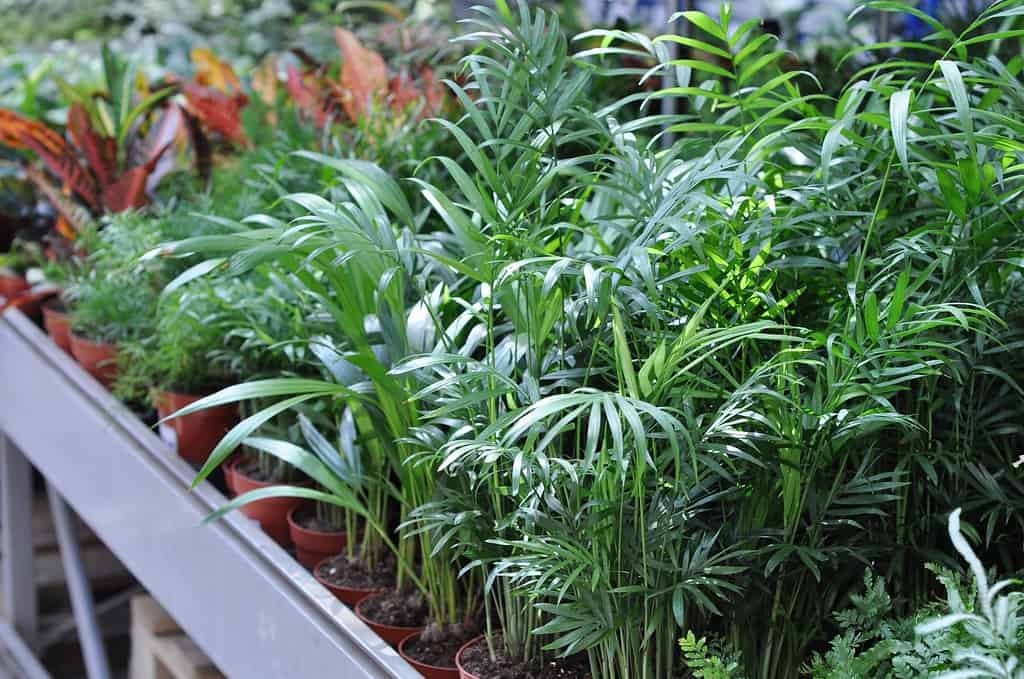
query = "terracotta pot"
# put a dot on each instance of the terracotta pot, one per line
(10, 286)
(463, 672)
(350, 596)
(166, 429)
(272, 513)
(30, 303)
(313, 546)
(229, 475)
(199, 433)
(98, 359)
(428, 671)
(393, 634)
(58, 325)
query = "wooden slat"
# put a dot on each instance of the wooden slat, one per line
(160, 650)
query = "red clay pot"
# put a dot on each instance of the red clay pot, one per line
(428, 671)
(229, 475)
(313, 546)
(463, 672)
(30, 303)
(393, 634)
(272, 513)
(99, 360)
(58, 325)
(166, 429)
(10, 286)
(199, 433)
(350, 596)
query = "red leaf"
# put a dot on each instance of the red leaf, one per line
(73, 217)
(220, 112)
(14, 128)
(100, 151)
(129, 191)
(309, 100)
(364, 75)
(69, 169)
(435, 93)
(404, 93)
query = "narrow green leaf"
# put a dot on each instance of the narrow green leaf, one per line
(899, 110)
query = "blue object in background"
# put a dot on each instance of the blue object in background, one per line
(915, 28)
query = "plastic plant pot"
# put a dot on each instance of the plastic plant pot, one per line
(350, 596)
(11, 286)
(393, 634)
(271, 513)
(428, 671)
(463, 672)
(58, 325)
(97, 358)
(199, 433)
(313, 546)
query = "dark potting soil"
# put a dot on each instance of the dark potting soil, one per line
(477, 660)
(341, 572)
(437, 646)
(145, 413)
(308, 519)
(400, 609)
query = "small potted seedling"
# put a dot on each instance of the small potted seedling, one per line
(12, 275)
(108, 309)
(180, 363)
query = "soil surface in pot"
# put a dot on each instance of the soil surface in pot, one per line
(342, 572)
(477, 660)
(398, 609)
(436, 646)
(308, 519)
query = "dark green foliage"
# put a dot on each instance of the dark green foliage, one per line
(630, 390)
(977, 632)
(705, 663)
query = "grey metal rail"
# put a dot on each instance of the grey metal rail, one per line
(251, 607)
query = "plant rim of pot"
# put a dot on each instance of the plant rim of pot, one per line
(417, 663)
(299, 527)
(462, 649)
(360, 593)
(393, 634)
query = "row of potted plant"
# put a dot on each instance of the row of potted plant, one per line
(552, 397)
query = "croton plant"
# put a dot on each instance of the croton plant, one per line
(117, 135)
(364, 82)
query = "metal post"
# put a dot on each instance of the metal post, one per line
(89, 636)
(26, 664)
(19, 587)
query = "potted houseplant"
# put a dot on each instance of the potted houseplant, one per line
(22, 282)
(108, 308)
(112, 295)
(13, 282)
(57, 321)
(183, 360)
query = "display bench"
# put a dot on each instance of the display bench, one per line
(244, 600)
